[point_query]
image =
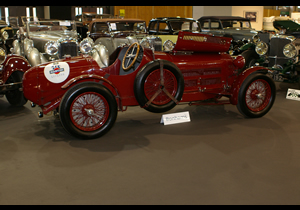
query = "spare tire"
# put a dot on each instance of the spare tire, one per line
(159, 86)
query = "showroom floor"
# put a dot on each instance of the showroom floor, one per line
(218, 158)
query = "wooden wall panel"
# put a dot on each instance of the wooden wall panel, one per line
(148, 12)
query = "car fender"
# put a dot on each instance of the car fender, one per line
(16, 48)
(100, 79)
(35, 57)
(14, 63)
(107, 42)
(240, 79)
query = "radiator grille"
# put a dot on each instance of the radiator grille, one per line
(68, 48)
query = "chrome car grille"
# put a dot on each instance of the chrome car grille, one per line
(68, 48)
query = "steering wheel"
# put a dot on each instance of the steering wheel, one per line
(131, 56)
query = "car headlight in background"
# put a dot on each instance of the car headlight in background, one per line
(5, 35)
(86, 45)
(2, 52)
(261, 48)
(168, 46)
(289, 50)
(51, 48)
(255, 39)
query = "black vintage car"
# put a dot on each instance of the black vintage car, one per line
(6, 38)
(172, 25)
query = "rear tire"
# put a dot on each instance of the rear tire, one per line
(149, 91)
(16, 97)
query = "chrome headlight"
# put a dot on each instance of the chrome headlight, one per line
(86, 45)
(261, 48)
(51, 48)
(145, 43)
(168, 46)
(5, 35)
(290, 50)
(255, 39)
(2, 52)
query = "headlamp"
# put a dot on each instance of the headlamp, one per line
(289, 50)
(51, 48)
(168, 46)
(86, 45)
(5, 35)
(261, 48)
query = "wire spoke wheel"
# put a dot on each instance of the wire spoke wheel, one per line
(89, 111)
(258, 95)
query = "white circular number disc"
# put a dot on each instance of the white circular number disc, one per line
(57, 72)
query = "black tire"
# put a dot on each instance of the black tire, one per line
(99, 99)
(250, 58)
(256, 95)
(174, 83)
(16, 97)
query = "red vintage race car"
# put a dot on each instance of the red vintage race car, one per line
(196, 70)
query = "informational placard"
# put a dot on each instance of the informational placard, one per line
(180, 117)
(293, 94)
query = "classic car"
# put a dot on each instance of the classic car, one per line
(112, 33)
(238, 28)
(197, 71)
(287, 27)
(43, 41)
(279, 53)
(6, 38)
(83, 20)
(167, 28)
(12, 69)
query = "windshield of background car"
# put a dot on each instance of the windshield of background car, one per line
(236, 24)
(65, 26)
(185, 26)
(128, 26)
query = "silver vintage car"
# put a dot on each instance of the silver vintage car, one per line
(43, 41)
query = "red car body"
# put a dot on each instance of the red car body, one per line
(12, 69)
(198, 70)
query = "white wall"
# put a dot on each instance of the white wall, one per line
(199, 11)
(240, 10)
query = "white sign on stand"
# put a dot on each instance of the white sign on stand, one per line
(293, 94)
(181, 117)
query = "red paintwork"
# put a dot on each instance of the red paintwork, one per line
(11, 64)
(207, 75)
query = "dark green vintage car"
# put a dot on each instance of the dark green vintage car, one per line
(279, 53)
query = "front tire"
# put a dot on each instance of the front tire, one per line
(256, 95)
(16, 97)
(88, 110)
